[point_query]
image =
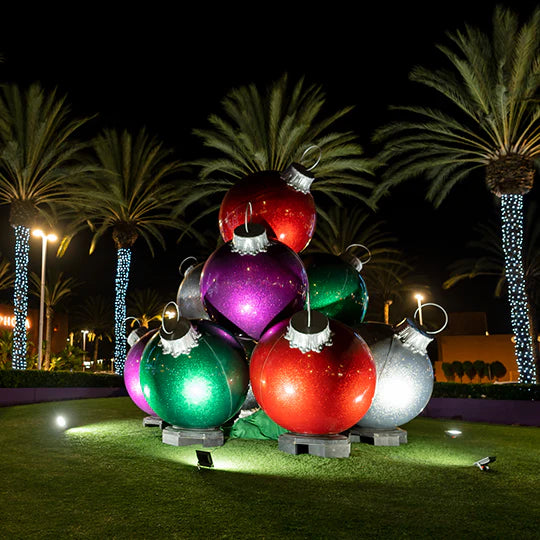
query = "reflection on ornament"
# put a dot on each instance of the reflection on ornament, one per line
(404, 373)
(199, 389)
(313, 392)
(248, 293)
(132, 372)
(188, 297)
(336, 288)
(287, 213)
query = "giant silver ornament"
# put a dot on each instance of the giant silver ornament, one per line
(404, 373)
(188, 297)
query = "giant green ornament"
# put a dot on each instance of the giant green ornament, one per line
(194, 377)
(336, 288)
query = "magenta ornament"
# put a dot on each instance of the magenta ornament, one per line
(252, 282)
(132, 378)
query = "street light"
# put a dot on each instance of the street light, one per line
(84, 332)
(51, 237)
(419, 299)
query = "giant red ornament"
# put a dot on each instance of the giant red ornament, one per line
(284, 206)
(313, 393)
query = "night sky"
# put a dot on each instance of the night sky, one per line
(168, 70)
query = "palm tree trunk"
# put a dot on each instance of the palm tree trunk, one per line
(387, 304)
(96, 348)
(48, 337)
(122, 279)
(512, 241)
(20, 296)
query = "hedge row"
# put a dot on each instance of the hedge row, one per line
(512, 391)
(10, 378)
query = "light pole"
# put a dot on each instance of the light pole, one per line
(51, 237)
(84, 332)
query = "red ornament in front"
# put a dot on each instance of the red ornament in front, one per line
(288, 214)
(313, 393)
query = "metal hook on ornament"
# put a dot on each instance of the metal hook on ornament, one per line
(182, 264)
(360, 264)
(134, 318)
(250, 209)
(312, 147)
(165, 312)
(419, 309)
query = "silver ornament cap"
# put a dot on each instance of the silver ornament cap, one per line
(412, 337)
(250, 239)
(180, 339)
(309, 332)
(136, 334)
(298, 177)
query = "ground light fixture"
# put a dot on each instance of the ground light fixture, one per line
(453, 433)
(483, 464)
(204, 459)
(61, 421)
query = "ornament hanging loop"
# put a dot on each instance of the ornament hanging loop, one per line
(359, 264)
(134, 318)
(163, 314)
(307, 150)
(249, 208)
(441, 308)
(182, 273)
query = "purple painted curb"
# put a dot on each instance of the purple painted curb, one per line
(21, 396)
(491, 411)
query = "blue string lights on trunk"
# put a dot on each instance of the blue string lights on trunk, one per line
(122, 279)
(512, 237)
(20, 296)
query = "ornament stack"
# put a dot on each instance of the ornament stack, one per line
(242, 329)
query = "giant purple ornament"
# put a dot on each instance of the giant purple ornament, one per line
(132, 378)
(251, 282)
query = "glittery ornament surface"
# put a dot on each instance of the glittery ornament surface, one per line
(404, 378)
(336, 289)
(319, 393)
(188, 297)
(288, 215)
(248, 293)
(199, 390)
(132, 373)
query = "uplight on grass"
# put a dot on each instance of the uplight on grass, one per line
(61, 421)
(453, 433)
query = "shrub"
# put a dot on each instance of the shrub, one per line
(481, 368)
(514, 391)
(458, 369)
(33, 379)
(448, 370)
(469, 370)
(498, 370)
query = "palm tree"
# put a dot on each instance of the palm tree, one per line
(37, 167)
(146, 305)
(487, 260)
(270, 129)
(96, 315)
(130, 197)
(386, 274)
(492, 88)
(6, 274)
(343, 227)
(57, 289)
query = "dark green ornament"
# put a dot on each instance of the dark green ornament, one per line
(336, 288)
(201, 389)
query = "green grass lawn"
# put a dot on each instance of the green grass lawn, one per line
(108, 477)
